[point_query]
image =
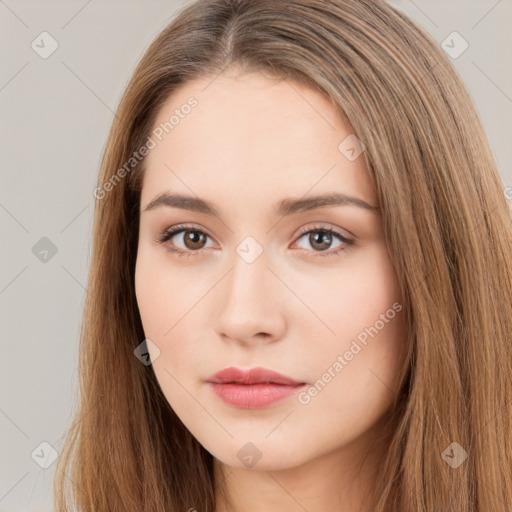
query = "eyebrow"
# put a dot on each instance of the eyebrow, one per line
(284, 208)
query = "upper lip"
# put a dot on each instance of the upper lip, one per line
(256, 375)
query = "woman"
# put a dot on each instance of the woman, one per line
(232, 361)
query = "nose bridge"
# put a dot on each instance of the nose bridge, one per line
(247, 299)
(249, 275)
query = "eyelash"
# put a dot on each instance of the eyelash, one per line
(169, 233)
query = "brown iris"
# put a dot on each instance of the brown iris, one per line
(194, 239)
(314, 236)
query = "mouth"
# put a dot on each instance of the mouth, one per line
(252, 389)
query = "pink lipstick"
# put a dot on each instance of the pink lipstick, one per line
(252, 389)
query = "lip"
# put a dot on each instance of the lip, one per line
(254, 388)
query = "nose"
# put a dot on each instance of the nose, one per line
(251, 303)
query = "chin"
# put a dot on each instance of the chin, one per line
(262, 455)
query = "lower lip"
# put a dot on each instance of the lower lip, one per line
(253, 396)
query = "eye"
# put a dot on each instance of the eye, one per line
(320, 236)
(193, 239)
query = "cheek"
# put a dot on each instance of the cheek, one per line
(148, 291)
(160, 295)
(169, 301)
(349, 299)
(163, 309)
(357, 359)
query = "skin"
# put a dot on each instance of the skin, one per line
(251, 141)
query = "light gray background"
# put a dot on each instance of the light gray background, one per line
(55, 118)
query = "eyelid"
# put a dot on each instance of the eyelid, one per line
(324, 226)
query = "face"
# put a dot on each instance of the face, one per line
(309, 293)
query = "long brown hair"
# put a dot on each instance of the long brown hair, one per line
(448, 229)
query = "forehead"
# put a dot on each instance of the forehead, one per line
(251, 137)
